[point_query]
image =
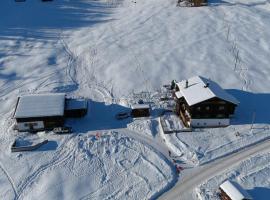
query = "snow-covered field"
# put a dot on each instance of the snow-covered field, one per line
(111, 166)
(110, 51)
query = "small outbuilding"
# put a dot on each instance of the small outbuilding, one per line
(76, 108)
(140, 110)
(39, 111)
(232, 191)
(201, 102)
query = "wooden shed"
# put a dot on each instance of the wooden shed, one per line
(140, 110)
(76, 108)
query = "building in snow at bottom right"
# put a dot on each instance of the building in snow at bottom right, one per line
(232, 191)
(201, 102)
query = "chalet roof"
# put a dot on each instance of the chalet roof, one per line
(235, 191)
(200, 89)
(40, 105)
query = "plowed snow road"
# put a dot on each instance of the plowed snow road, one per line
(183, 189)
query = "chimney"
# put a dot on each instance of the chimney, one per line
(207, 85)
(186, 83)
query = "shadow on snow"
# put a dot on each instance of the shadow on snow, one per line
(100, 116)
(36, 19)
(259, 193)
(248, 4)
(253, 107)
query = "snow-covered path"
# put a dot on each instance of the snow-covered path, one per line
(184, 188)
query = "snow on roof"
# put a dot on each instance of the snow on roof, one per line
(178, 94)
(235, 191)
(197, 91)
(74, 104)
(140, 106)
(40, 105)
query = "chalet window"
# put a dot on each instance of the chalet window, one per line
(204, 123)
(220, 116)
(221, 108)
(207, 108)
(30, 124)
(198, 108)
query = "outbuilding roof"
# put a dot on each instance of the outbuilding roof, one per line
(235, 191)
(40, 105)
(140, 106)
(200, 89)
(76, 104)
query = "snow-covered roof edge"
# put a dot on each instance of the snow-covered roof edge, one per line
(140, 106)
(40, 105)
(234, 191)
(200, 89)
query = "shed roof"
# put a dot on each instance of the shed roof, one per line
(76, 104)
(235, 191)
(197, 91)
(40, 105)
(140, 106)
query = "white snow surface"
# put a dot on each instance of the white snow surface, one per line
(110, 51)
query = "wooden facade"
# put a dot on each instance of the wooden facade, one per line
(39, 123)
(140, 112)
(214, 108)
(223, 195)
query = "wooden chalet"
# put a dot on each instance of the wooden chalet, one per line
(232, 191)
(201, 102)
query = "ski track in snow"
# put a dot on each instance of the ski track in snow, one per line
(71, 65)
(61, 156)
(13, 185)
